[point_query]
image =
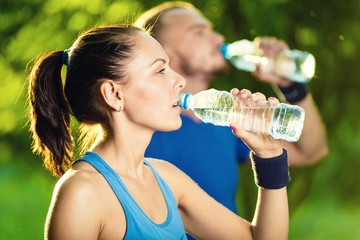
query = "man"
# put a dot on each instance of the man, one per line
(208, 153)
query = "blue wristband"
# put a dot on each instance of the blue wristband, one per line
(271, 173)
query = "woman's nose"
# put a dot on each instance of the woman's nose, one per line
(180, 81)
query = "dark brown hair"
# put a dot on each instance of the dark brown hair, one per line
(151, 20)
(98, 54)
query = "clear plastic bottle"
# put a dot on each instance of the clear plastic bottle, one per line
(282, 121)
(297, 66)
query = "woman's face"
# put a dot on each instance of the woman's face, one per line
(153, 88)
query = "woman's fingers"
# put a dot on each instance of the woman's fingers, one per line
(254, 123)
(245, 98)
(240, 98)
(273, 101)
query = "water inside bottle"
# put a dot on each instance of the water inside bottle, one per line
(282, 121)
(296, 65)
(256, 119)
(242, 54)
(288, 123)
(248, 62)
(279, 122)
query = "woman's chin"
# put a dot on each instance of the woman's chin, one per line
(171, 128)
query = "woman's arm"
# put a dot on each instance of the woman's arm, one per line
(205, 218)
(73, 212)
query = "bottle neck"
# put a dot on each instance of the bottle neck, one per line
(184, 100)
(224, 49)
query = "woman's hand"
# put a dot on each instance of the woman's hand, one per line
(263, 145)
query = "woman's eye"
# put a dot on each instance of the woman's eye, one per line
(162, 71)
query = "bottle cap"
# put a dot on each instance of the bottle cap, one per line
(223, 49)
(183, 100)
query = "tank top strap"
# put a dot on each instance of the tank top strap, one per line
(111, 177)
(165, 188)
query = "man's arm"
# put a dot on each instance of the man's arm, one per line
(312, 145)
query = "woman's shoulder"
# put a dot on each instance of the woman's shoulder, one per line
(77, 192)
(176, 179)
(79, 182)
(164, 168)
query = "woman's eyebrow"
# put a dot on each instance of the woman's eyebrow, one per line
(159, 60)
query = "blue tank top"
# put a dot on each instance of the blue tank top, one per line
(139, 225)
(202, 150)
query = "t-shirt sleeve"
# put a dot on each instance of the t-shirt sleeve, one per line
(155, 148)
(242, 151)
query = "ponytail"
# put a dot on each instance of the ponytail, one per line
(50, 114)
(97, 54)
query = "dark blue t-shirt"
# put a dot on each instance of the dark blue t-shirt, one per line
(209, 154)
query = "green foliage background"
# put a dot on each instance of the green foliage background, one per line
(323, 198)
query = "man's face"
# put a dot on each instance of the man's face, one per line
(189, 37)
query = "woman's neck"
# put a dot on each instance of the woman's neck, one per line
(124, 151)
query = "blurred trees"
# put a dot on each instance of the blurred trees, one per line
(321, 196)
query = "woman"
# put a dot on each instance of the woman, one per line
(120, 87)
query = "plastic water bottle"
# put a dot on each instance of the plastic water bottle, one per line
(282, 121)
(295, 65)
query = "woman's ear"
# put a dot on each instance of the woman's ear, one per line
(112, 94)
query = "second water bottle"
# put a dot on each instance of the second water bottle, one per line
(298, 66)
(282, 121)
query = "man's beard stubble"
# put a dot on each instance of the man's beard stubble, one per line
(187, 69)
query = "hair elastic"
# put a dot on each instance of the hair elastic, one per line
(65, 57)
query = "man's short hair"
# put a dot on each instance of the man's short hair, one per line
(150, 21)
